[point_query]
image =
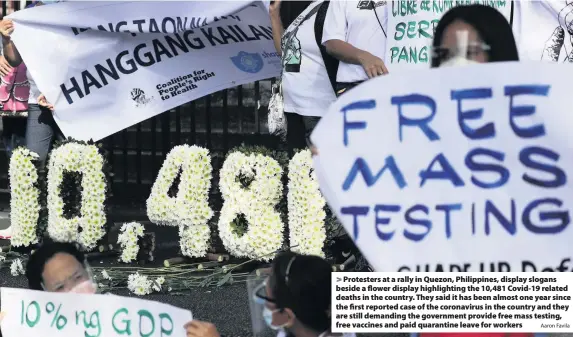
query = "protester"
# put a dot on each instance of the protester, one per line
(297, 296)
(14, 94)
(41, 129)
(489, 37)
(355, 34)
(309, 72)
(59, 267)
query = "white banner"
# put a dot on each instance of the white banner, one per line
(543, 30)
(411, 26)
(454, 169)
(39, 313)
(158, 56)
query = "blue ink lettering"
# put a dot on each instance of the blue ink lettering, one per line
(447, 209)
(360, 166)
(447, 172)
(360, 105)
(476, 166)
(525, 110)
(427, 224)
(422, 123)
(526, 157)
(355, 211)
(561, 215)
(384, 221)
(485, 131)
(509, 225)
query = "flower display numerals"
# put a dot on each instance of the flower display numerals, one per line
(306, 215)
(86, 160)
(251, 188)
(25, 196)
(189, 208)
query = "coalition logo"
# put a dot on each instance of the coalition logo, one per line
(248, 62)
(139, 97)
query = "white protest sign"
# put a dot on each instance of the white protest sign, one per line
(411, 26)
(543, 30)
(32, 313)
(454, 169)
(140, 59)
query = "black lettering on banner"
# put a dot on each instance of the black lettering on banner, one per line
(160, 49)
(144, 55)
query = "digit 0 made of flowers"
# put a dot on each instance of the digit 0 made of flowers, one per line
(306, 215)
(251, 186)
(189, 209)
(85, 159)
(25, 198)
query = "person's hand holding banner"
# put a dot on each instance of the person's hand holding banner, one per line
(6, 27)
(5, 67)
(454, 169)
(42, 101)
(201, 329)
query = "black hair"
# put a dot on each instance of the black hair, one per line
(308, 290)
(39, 258)
(491, 25)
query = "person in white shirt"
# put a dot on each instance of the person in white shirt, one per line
(309, 72)
(355, 34)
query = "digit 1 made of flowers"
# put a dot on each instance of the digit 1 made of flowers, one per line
(24, 198)
(251, 186)
(189, 209)
(306, 215)
(85, 159)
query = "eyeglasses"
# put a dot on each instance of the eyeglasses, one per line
(260, 294)
(473, 49)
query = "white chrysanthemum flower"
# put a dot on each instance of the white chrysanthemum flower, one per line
(256, 202)
(128, 240)
(305, 207)
(190, 208)
(24, 201)
(139, 284)
(16, 268)
(75, 157)
(105, 275)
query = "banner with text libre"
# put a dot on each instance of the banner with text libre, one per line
(30, 313)
(454, 169)
(109, 65)
(411, 26)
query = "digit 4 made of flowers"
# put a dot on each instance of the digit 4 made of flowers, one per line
(250, 183)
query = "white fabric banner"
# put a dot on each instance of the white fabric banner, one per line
(32, 313)
(454, 169)
(411, 26)
(543, 30)
(158, 56)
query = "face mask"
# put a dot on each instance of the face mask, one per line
(86, 287)
(268, 317)
(457, 61)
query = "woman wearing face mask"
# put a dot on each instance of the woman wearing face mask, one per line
(59, 267)
(297, 296)
(473, 34)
